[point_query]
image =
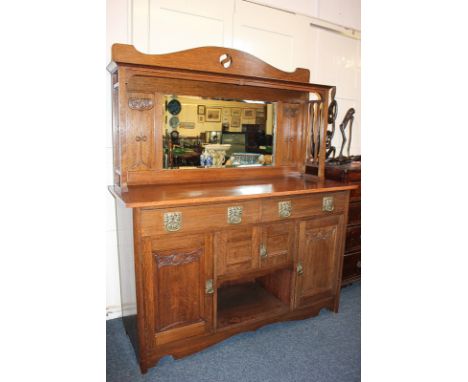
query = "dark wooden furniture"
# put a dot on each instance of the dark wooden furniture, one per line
(350, 173)
(207, 253)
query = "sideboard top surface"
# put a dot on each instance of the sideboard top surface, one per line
(201, 193)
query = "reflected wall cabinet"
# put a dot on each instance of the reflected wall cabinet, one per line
(218, 236)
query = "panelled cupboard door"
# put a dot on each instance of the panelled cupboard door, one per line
(237, 250)
(318, 258)
(290, 133)
(276, 37)
(178, 300)
(140, 134)
(277, 245)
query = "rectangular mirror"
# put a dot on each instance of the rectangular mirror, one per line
(213, 133)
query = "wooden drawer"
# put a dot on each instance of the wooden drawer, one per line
(353, 238)
(354, 215)
(198, 218)
(302, 206)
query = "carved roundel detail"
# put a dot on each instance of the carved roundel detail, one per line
(225, 60)
(136, 103)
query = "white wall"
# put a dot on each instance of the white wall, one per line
(342, 12)
(118, 30)
(284, 39)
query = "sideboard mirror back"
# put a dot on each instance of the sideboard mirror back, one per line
(168, 108)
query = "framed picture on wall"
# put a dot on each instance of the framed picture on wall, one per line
(248, 113)
(236, 113)
(213, 114)
(260, 113)
(201, 109)
(201, 118)
(235, 121)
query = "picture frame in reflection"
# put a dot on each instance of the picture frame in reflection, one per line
(236, 112)
(213, 114)
(235, 121)
(248, 113)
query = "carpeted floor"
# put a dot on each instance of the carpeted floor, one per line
(325, 348)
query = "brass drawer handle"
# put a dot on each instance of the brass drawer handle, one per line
(328, 203)
(263, 251)
(284, 209)
(209, 286)
(234, 215)
(172, 221)
(299, 269)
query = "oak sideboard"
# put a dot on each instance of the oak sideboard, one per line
(220, 229)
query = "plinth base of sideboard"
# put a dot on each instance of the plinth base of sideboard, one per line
(185, 347)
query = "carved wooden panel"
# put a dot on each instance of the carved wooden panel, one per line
(140, 145)
(319, 256)
(180, 266)
(140, 103)
(178, 257)
(178, 288)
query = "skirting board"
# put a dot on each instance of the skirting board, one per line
(115, 311)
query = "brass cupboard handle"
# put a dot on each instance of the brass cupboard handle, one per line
(299, 269)
(263, 251)
(209, 287)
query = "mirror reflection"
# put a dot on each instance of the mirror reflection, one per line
(205, 133)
